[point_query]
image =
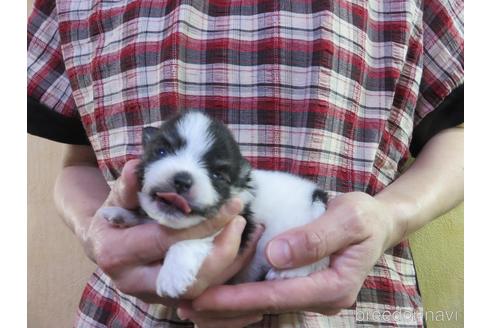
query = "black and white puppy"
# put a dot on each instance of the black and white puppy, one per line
(190, 167)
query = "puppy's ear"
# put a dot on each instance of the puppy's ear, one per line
(148, 133)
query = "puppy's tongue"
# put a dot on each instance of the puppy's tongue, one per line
(175, 199)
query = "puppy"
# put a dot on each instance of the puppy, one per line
(190, 167)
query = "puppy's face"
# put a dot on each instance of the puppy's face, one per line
(190, 167)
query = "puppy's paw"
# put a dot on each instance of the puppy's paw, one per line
(181, 265)
(118, 216)
(170, 283)
(275, 274)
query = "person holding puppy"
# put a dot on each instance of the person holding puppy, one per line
(338, 92)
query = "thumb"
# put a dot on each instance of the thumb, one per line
(307, 244)
(124, 192)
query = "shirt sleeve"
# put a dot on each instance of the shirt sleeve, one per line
(440, 102)
(51, 109)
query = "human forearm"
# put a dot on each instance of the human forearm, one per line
(80, 189)
(432, 186)
(79, 192)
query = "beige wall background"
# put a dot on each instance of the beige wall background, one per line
(439, 260)
(58, 268)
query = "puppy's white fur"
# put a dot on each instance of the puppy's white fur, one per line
(181, 266)
(282, 201)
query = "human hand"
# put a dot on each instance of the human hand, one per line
(354, 231)
(132, 257)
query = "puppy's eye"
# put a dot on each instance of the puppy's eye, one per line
(221, 176)
(160, 152)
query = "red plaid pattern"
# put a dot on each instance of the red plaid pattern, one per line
(330, 90)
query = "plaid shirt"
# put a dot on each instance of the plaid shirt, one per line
(330, 90)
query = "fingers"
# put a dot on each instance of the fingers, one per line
(324, 310)
(221, 315)
(139, 281)
(321, 288)
(226, 247)
(124, 192)
(218, 320)
(227, 212)
(147, 243)
(244, 257)
(311, 242)
(217, 268)
(237, 322)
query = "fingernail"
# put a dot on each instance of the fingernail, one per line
(279, 253)
(259, 229)
(181, 314)
(234, 206)
(239, 223)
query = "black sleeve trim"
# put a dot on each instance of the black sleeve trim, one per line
(449, 113)
(46, 123)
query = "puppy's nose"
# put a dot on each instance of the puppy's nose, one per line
(183, 182)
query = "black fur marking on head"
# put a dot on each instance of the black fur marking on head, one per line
(155, 141)
(320, 195)
(226, 166)
(148, 133)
